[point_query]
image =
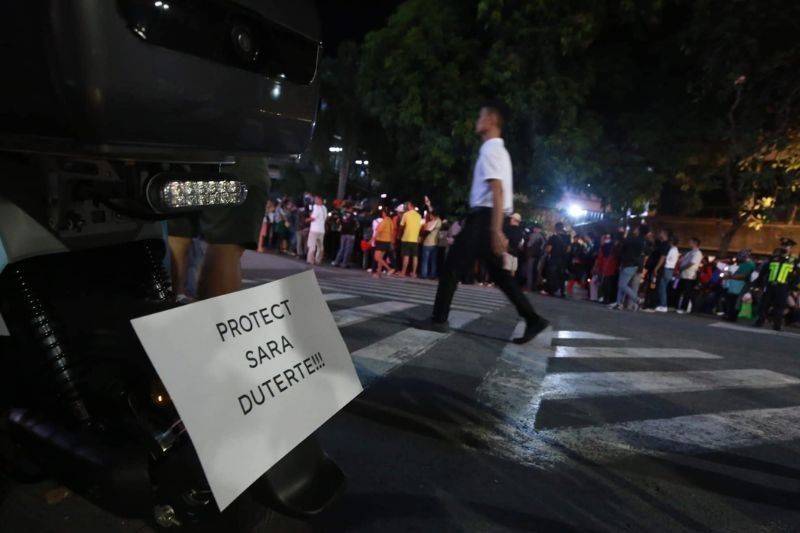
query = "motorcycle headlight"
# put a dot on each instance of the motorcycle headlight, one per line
(167, 193)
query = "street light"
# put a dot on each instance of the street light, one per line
(576, 211)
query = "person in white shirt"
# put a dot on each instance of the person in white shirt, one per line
(666, 273)
(316, 232)
(689, 265)
(482, 236)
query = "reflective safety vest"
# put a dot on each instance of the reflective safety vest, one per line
(780, 270)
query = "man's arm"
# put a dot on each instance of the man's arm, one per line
(499, 240)
(661, 261)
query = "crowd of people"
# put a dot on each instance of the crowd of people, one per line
(635, 268)
(639, 269)
(407, 241)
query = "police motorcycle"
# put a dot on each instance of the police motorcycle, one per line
(115, 115)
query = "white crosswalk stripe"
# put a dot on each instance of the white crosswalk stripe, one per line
(593, 384)
(336, 296)
(572, 335)
(383, 356)
(356, 315)
(687, 434)
(751, 329)
(618, 352)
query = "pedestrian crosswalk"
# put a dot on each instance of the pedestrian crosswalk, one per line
(549, 413)
(469, 298)
(577, 393)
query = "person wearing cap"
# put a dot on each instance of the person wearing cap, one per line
(779, 275)
(491, 197)
(514, 234)
(737, 284)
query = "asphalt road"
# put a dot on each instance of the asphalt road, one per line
(615, 421)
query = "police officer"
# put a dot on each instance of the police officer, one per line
(780, 274)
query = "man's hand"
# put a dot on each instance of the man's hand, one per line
(499, 243)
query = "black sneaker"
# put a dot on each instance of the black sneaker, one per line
(532, 329)
(431, 325)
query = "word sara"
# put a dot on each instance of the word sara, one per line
(281, 382)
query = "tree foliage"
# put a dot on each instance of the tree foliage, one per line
(612, 97)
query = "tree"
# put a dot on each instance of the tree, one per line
(618, 97)
(745, 94)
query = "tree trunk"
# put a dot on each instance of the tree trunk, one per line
(344, 171)
(727, 236)
(792, 215)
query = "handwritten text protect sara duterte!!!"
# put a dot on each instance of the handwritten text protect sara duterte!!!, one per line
(280, 382)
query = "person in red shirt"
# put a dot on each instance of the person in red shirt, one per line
(607, 267)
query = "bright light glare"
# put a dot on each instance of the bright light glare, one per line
(366, 163)
(276, 91)
(159, 3)
(166, 6)
(335, 149)
(358, 161)
(383, 195)
(576, 211)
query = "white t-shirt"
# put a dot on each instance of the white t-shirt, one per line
(672, 258)
(319, 213)
(493, 163)
(693, 258)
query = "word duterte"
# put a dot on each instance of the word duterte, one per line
(281, 382)
(253, 320)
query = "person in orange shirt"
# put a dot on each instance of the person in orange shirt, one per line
(384, 237)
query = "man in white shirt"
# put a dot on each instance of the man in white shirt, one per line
(482, 236)
(665, 277)
(316, 232)
(689, 265)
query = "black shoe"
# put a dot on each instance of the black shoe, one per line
(532, 329)
(431, 325)
(758, 323)
(776, 327)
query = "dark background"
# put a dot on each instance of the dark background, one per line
(344, 20)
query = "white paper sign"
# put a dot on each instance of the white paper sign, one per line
(252, 374)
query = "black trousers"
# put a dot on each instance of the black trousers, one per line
(686, 288)
(731, 311)
(474, 242)
(650, 291)
(555, 276)
(609, 288)
(775, 299)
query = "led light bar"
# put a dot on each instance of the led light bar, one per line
(181, 193)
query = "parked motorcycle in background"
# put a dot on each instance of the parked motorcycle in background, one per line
(114, 115)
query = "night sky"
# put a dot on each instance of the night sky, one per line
(344, 20)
